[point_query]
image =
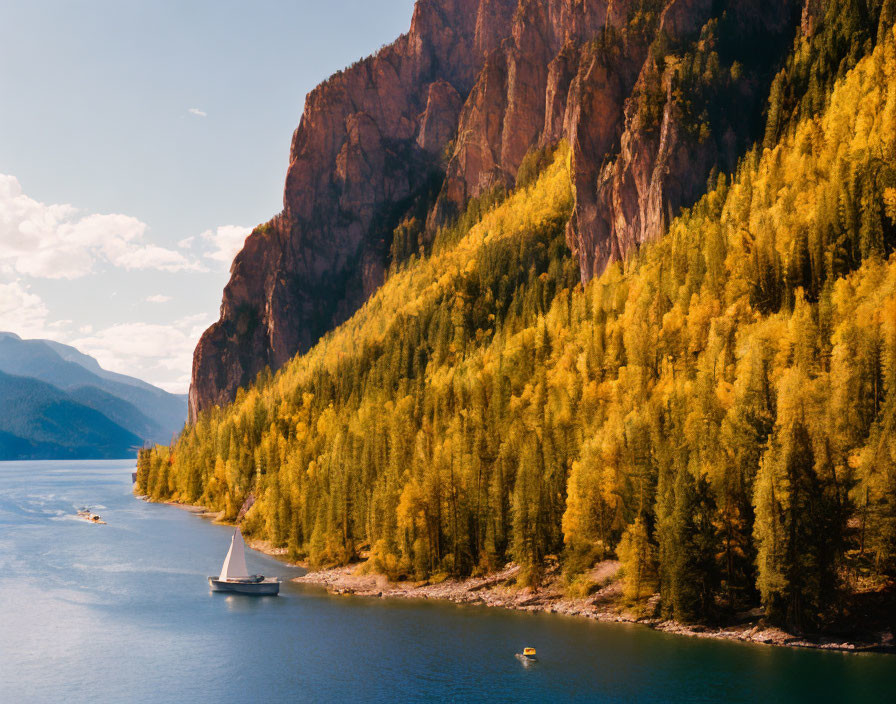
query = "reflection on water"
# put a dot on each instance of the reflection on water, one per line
(242, 604)
(122, 612)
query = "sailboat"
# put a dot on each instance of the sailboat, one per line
(235, 577)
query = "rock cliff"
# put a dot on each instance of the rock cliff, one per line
(368, 141)
(652, 95)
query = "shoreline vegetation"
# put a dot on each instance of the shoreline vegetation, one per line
(717, 412)
(499, 589)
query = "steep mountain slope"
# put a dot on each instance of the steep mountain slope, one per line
(122, 413)
(652, 96)
(718, 412)
(71, 354)
(149, 412)
(39, 421)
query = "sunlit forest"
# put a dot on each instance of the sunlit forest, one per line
(717, 412)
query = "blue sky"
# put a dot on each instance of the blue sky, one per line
(139, 143)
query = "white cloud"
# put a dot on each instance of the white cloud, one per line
(162, 354)
(197, 112)
(154, 257)
(150, 351)
(21, 311)
(227, 241)
(59, 242)
(180, 386)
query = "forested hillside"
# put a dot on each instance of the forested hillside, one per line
(718, 412)
(59, 403)
(39, 421)
(147, 411)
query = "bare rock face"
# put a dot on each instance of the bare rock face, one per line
(613, 78)
(689, 115)
(369, 138)
(813, 11)
(652, 96)
(439, 121)
(512, 106)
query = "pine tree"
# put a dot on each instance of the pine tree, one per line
(799, 528)
(694, 571)
(638, 562)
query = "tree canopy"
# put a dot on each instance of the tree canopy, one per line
(718, 411)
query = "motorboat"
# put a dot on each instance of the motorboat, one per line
(528, 656)
(87, 515)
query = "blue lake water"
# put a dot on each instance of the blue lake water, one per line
(122, 612)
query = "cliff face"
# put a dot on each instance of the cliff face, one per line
(368, 140)
(695, 107)
(652, 95)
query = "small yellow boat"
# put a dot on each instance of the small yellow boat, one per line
(527, 656)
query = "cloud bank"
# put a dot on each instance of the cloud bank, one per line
(155, 350)
(226, 242)
(21, 311)
(40, 242)
(162, 354)
(60, 242)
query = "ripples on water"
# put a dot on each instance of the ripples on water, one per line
(122, 612)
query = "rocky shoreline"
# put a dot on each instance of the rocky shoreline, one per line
(499, 590)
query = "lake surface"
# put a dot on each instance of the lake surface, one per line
(122, 612)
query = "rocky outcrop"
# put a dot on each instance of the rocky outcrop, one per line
(367, 142)
(521, 96)
(695, 108)
(652, 96)
(813, 11)
(618, 81)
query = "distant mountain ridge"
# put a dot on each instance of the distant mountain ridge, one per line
(71, 354)
(79, 409)
(40, 421)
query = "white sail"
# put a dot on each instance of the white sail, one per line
(235, 562)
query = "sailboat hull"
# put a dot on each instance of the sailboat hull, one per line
(269, 587)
